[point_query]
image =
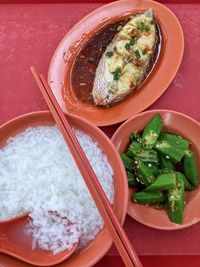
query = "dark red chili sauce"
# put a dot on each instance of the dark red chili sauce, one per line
(83, 70)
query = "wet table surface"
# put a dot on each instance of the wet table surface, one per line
(27, 38)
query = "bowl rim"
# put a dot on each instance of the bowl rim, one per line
(115, 135)
(120, 166)
(152, 111)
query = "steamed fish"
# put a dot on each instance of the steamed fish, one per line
(126, 61)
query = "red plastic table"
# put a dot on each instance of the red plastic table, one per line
(29, 34)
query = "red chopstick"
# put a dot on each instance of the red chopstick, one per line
(119, 237)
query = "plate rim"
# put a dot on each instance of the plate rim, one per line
(115, 120)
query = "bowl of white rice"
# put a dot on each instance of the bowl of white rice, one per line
(38, 174)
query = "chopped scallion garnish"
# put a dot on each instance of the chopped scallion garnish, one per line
(132, 41)
(147, 28)
(127, 46)
(109, 54)
(117, 73)
(137, 53)
(140, 27)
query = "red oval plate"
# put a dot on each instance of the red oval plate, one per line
(162, 75)
(180, 124)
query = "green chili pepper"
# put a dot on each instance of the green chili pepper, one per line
(163, 182)
(153, 167)
(128, 163)
(171, 146)
(188, 185)
(151, 131)
(143, 173)
(135, 136)
(190, 168)
(161, 171)
(176, 200)
(175, 140)
(132, 182)
(136, 150)
(143, 197)
(148, 156)
(169, 151)
(166, 164)
(133, 149)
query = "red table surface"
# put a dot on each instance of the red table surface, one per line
(29, 34)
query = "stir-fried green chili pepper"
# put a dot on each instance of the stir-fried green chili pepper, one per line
(143, 173)
(151, 131)
(163, 182)
(173, 147)
(143, 197)
(162, 171)
(188, 185)
(176, 200)
(175, 140)
(155, 163)
(135, 136)
(166, 164)
(136, 150)
(128, 163)
(148, 156)
(169, 150)
(153, 167)
(132, 182)
(133, 149)
(190, 168)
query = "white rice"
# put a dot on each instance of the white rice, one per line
(38, 174)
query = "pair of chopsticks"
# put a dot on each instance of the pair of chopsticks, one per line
(119, 237)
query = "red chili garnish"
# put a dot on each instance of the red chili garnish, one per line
(147, 48)
(132, 84)
(138, 63)
(146, 33)
(134, 32)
